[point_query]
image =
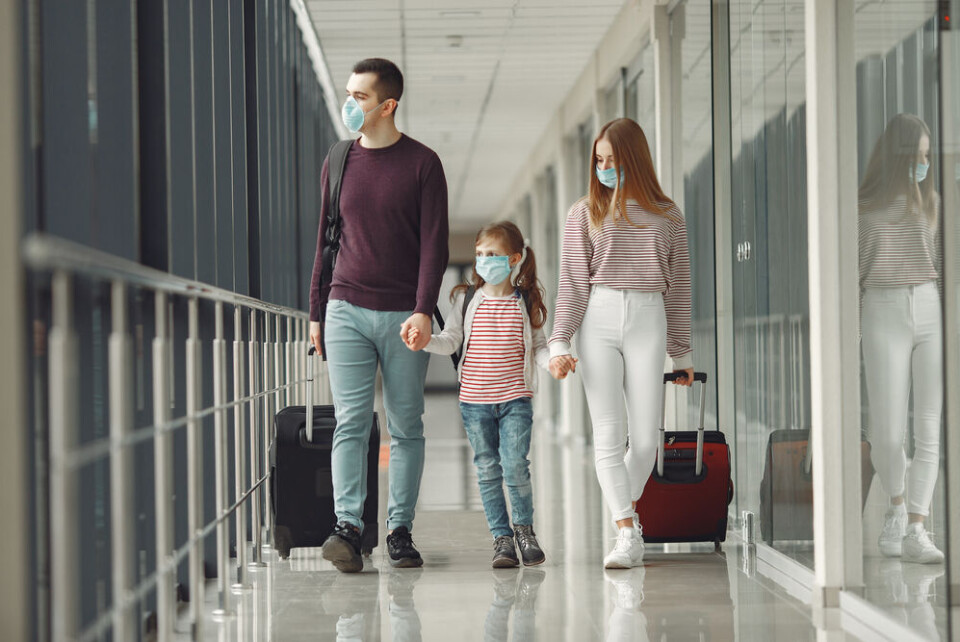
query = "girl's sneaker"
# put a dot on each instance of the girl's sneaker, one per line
(627, 552)
(504, 553)
(529, 547)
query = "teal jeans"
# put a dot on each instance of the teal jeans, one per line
(357, 340)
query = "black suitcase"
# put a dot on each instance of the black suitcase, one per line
(301, 481)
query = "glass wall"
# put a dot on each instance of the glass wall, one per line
(641, 102)
(901, 176)
(769, 254)
(695, 116)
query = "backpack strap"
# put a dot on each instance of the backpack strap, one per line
(336, 161)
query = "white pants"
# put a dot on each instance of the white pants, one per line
(902, 345)
(622, 344)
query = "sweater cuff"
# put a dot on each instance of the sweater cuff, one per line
(559, 348)
(684, 362)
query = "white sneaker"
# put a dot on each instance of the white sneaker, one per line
(891, 537)
(919, 548)
(627, 552)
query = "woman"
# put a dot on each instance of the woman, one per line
(902, 338)
(625, 285)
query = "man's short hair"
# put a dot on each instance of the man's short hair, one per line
(389, 82)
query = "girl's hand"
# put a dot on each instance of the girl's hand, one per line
(411, 338)
(561, 365)
(685, 378)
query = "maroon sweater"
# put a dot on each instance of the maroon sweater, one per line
(394, 232)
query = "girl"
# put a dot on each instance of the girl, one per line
(625, 284)
(901, 335)
(498, 322)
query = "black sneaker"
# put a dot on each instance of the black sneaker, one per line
(343, 548)
(528, 545)
(402, 552)
(504, 553)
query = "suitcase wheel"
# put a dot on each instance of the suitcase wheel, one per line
(366, 551)
(282, 541)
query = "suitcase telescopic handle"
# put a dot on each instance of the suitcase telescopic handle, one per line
(310, 367)
(661, 448)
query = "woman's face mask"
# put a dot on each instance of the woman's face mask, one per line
(609, 176)
(921, 171)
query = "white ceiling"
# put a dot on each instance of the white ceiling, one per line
(482, 77)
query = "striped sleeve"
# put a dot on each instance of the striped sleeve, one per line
(573, 290)
(677, 298)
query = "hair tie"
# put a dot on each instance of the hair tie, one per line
(526, 243)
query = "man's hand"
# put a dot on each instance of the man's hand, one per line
(420, 322)
(561, 365)
(315, 333)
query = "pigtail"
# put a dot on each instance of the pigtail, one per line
(531, 289)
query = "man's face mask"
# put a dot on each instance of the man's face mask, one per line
(353, 115)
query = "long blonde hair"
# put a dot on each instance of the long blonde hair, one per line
(891, 168)
(631, 154)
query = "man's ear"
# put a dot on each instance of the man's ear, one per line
(390, 107)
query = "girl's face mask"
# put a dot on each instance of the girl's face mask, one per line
(493, 269)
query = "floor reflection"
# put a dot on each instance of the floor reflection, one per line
(683, 591)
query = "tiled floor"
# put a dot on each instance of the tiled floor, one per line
(682, 592)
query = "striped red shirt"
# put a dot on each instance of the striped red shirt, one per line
(649, 256)
(492, 367)
(897, 248)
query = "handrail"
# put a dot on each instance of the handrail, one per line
(267, 371)
(41, 251)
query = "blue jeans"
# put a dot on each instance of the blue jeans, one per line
(500, 436)
(357, 339)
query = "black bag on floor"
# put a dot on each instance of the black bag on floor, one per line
(301, 481)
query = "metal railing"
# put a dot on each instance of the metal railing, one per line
(266, 373)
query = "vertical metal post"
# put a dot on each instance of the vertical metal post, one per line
(121, 463)
(163, 478)
(290, 343)
(268, 413)
(240, 447)
(220, 462)
(255, 443)
(64, 500)
(194, 468)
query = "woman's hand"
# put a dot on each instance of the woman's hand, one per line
(685, 377)
(561, 365)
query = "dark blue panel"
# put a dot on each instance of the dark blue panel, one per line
(203, 141)
(223, 131)
(115, 219)
(239, 149)
(182, 230)
(252, 25)
(66, 178)
(154, 213)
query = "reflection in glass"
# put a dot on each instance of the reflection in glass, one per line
(901, 334)
(627, 622)
(518, 594)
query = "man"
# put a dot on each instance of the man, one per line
(393, 253)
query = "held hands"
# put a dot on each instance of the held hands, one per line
(415, 331)
(561, 365)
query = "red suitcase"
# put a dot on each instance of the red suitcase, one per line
(686, 497)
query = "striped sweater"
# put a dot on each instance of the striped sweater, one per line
(649, 256)
(492, 368)
(897, 248)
